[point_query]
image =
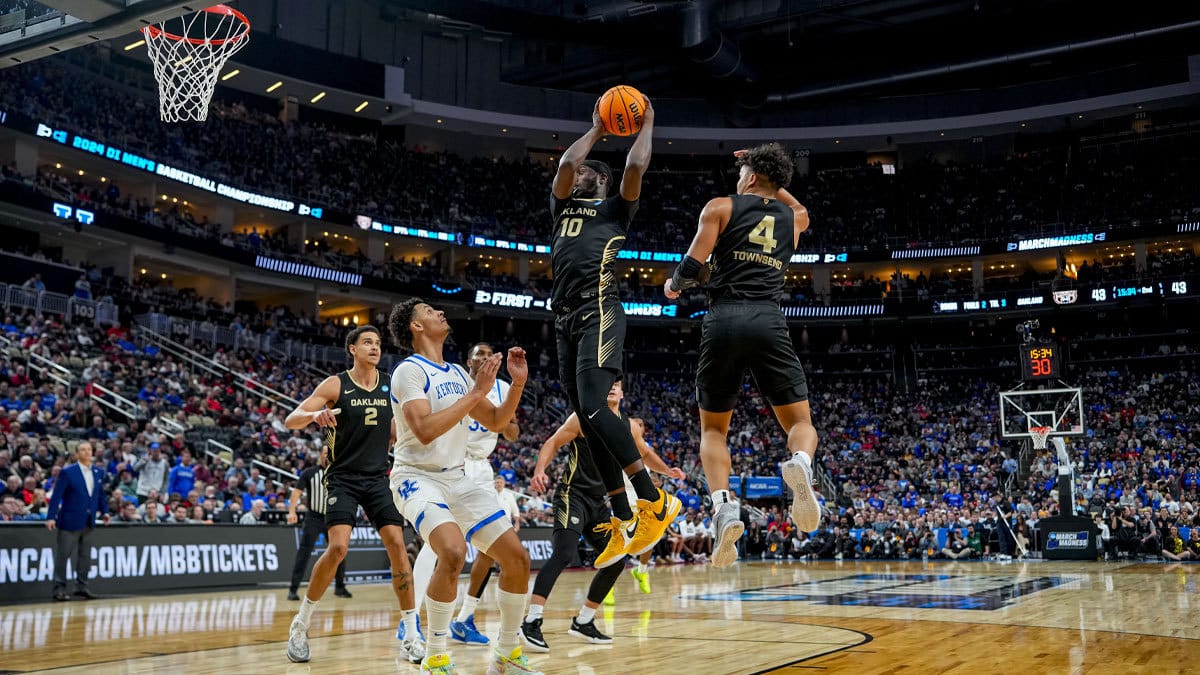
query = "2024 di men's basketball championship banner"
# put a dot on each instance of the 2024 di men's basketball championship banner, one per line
(140, 558)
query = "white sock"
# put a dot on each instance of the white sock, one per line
(720, 497)
(468, 608)
(410, 623)
(512, 606)
(586, 614)
(306, 609)
(422, 573)
(439, 625)
(641, 568)
(805, 459)
(535, 612)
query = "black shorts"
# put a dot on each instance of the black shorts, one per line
(348, 491)
(741, 335)
(581, 512)
(591, 335)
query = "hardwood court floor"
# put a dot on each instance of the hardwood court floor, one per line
(791, 618)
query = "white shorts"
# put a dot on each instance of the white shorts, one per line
(480, 471)
(428, 500)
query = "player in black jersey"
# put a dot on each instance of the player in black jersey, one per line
(590, 221)
(751, 237)
(354, 409)
(580, 510)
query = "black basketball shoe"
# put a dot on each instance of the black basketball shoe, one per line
(587, 631)
(532, 632)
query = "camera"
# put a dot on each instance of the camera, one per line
(1025, 329)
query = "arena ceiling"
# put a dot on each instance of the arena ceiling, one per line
(769, 52)
(59, 25)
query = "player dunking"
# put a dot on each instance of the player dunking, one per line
(751, 237)
(591, 220)
(579, 509)
(353, 408)
(480, 444)
(432, 401)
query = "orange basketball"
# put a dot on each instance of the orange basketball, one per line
(621, 110)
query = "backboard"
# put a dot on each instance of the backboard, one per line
(1060, 409)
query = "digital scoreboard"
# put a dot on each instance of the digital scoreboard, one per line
(1039, 361)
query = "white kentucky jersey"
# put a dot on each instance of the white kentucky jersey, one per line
(480, 441)
(442, 385)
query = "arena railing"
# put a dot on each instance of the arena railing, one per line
(308, 353)
(214, 336)
(227, 459)
(50, 370)
(123, 406)
(292, 351)
(828, 487)
(23, 298)
(18, 297)
(276, 470)
(145, 325)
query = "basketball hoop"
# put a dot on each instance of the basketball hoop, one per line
(1039, 436)
(188, 54)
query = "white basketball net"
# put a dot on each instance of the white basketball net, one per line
(188, 54)
(1039, 436)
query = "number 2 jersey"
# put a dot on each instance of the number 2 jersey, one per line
(358, 444)
(442, 385)
(752, 254)
(588, 235)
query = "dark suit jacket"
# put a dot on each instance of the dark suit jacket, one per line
(70, 504)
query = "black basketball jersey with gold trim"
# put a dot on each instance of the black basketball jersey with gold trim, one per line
(588, 235)
(359, 443)
(752, 254)
(582, 476)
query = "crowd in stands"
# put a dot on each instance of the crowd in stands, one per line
(926, 202)
(844, 287)
(904, 463)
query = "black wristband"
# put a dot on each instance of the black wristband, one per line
(689, 274)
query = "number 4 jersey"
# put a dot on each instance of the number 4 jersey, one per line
(588, 235)
(752, 254)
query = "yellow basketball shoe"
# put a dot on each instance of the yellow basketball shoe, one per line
(514, 663)
(619, 535)
(653, 519)
(642, 579)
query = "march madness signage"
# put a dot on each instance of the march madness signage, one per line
(1068, 538)
(140, 558)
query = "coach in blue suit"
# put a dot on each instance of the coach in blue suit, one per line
(77, 499)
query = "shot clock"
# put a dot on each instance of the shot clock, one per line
(1039, 361)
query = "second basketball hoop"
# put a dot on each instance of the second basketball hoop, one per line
(188, 54)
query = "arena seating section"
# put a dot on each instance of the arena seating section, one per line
(892, 454)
